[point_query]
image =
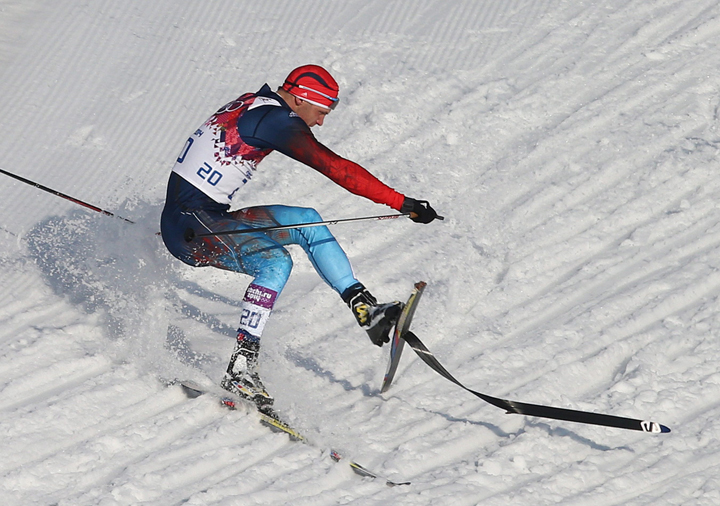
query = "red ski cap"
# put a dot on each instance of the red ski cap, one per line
(313, 84)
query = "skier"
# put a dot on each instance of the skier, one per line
(208, 180)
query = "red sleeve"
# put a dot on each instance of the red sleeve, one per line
(277, 128)
(348, 174)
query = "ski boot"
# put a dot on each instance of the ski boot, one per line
(242, 378)
(376, 319)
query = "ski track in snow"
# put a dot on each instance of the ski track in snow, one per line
(573, 148)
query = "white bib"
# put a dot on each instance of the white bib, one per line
(205, 164)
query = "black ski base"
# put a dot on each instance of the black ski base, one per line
(521, 408)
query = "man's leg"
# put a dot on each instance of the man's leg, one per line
(270, 264)
(321, 247)
(330, 262)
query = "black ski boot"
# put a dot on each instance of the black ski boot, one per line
(242, 378)
(376, 319)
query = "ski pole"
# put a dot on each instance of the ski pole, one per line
(67, 197)
(190, 233)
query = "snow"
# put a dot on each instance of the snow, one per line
(571, 146)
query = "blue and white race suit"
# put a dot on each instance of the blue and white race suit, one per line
(209, 178)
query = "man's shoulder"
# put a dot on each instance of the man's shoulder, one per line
(270, 110)
(263, 101)
(269, 122)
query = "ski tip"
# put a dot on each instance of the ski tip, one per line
(654, 427)
(396, 483)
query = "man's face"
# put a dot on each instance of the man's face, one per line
(311, 114)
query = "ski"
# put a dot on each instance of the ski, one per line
(365, 472)
(270, 419)
(521, 408)
(401, 327)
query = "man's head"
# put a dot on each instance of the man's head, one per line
(311, 92)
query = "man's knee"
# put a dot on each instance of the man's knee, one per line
(283, 264)
(309, 215)
(274, 271)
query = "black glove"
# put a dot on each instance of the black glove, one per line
(420, 208)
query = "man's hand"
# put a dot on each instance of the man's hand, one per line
(420, 210)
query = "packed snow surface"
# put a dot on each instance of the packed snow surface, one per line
(572, 147)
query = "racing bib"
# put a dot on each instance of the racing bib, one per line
(214, 159)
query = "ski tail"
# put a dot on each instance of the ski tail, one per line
(362, 471)
(401, 327)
